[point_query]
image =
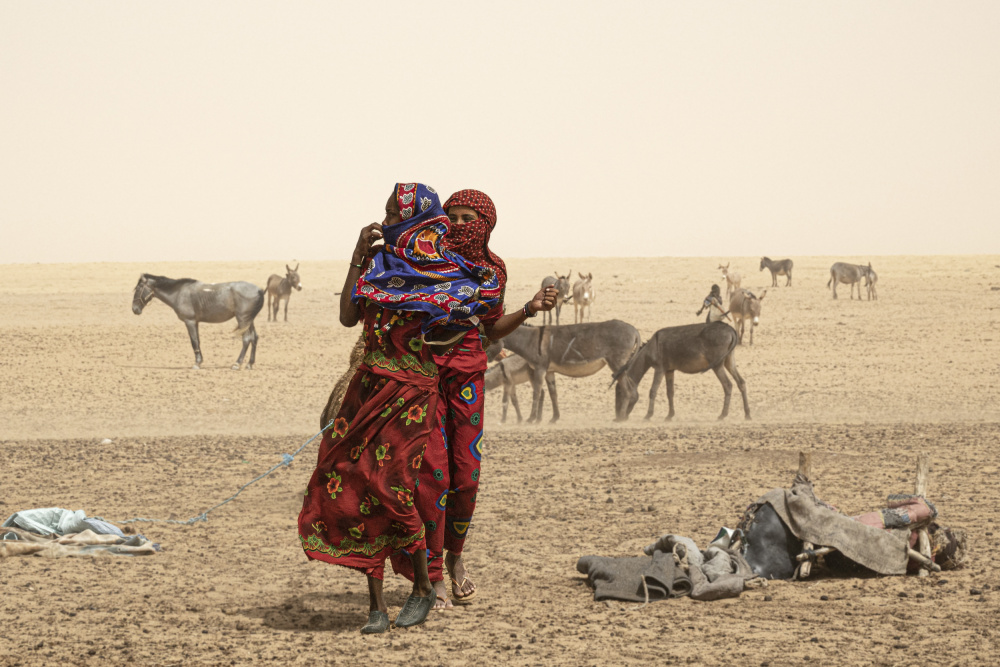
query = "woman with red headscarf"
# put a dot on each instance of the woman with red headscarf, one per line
(409, 293)
(449, 476)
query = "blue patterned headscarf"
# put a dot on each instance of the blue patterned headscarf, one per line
(414, 272)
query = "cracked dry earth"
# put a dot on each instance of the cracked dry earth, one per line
(863, 386)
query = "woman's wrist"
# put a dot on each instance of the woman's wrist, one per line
(527, 311)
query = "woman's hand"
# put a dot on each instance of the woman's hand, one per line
(365, 247)
(545, 300)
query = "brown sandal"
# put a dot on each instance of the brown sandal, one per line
(456, 593)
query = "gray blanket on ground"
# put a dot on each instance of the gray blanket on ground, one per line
(715, 573)
(634, 578)
(811, 521)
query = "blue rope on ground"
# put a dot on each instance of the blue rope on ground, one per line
(286, 460)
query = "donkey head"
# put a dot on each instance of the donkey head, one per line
(293, 277)
(763, 263)
(142, 294)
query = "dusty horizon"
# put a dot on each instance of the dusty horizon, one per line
(240, 131)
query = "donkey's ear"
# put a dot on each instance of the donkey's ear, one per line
(296, 267)
(582, 277)
(287, 269)
(762, 295)
(590, 276)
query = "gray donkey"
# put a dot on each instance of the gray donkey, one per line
(281, 288)
(576, 350)
(870, 281)
(194, 301)
(509, 373)
(778, 267)
(849, 274)
(743, 306)
(691, 348)
(561, 284)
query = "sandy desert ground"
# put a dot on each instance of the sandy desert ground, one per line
(864, 386)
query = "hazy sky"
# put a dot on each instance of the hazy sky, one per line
(249, 130)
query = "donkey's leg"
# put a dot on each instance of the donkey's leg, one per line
(727, 387)
(268, 305)
(247, 337)
(741, 384)
(537, 398)
(513, 400)
(192, 327)
(655, 387)
(670, 394)
(550, 381)
(506, 398)
(287, 299)
(253, 347)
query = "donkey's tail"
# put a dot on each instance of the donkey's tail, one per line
(257, 305)
(636, 348)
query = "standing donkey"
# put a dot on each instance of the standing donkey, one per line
(780, 267)
(743, 306)
(733, 279)
(848, 274)
(194, 301)
(562, 285)
(583, 297)
(280, 288)
(870, 281)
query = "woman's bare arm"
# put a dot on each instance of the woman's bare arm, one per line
(350, 312)
(544, 300)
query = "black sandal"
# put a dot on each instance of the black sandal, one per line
(378, 622)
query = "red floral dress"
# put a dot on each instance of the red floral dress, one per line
(359, 505)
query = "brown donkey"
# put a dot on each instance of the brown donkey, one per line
(281, 288)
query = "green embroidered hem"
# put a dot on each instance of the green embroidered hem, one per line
(407, 362)
(349, 547)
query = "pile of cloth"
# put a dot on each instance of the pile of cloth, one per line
(53, 532)
(673, 567)
(767, 544)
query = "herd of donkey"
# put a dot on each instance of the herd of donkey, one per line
(535, 353)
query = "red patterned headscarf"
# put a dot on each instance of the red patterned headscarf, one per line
(471, 240)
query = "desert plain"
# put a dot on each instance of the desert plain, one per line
(864, 386)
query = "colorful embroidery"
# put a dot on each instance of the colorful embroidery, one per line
(357, 531)
(468, 394)
(382, 454)
(404, 495)
(476, 448)
(474, 419)
(348, 546)
(340, 426)
(408, 362)
(415, 414)
(333, 486)
(356, 451)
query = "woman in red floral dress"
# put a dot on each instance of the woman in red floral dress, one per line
(359, 505)
(449, 478)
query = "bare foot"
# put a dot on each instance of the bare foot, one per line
(462, 588)
(441, 593)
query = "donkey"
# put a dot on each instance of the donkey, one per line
(733, 278)
(870, 279)
(281, 288)
(509, 373)
(583, 296)
(691, 348)
(743, 306)
(562, 285)
(780, 267)
(194, 301)
(576, 350)
(849, 274)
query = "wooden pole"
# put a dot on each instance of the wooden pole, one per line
(805, 470)
(923, 537)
